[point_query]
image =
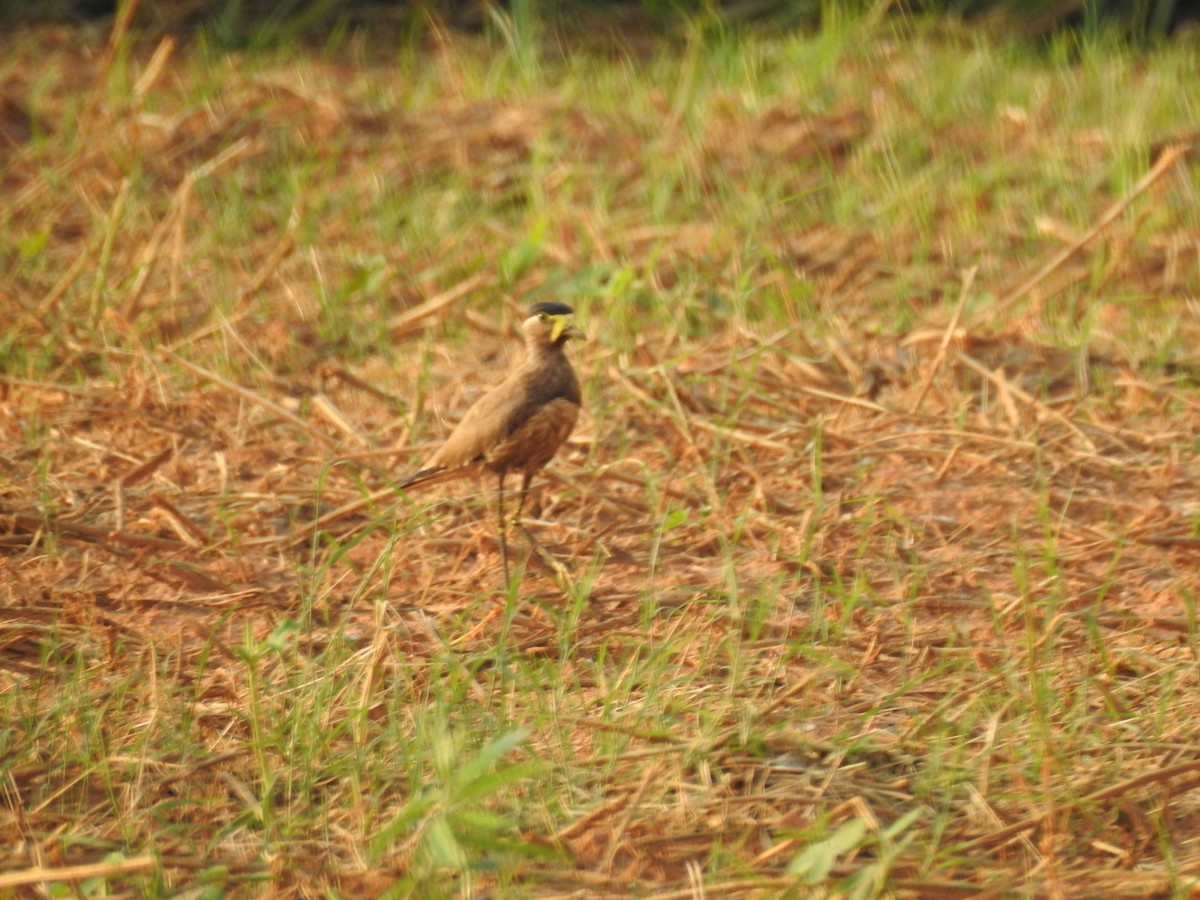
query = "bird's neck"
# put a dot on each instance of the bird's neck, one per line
(541, 351)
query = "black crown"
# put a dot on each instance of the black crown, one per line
(551, 309)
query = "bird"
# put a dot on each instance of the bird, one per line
(519, 425)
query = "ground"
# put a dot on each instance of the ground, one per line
(869, 570)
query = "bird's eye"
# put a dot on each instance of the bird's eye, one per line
(541, 317)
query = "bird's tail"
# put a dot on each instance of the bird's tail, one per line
(432, 475)
(419, 477)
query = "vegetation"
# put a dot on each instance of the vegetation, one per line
(880, 527)
(242, 23)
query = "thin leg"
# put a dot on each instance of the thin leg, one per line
(535, 545)
(503, 529)
(525, 479)
(564, 577)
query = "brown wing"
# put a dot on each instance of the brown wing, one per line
(534, 442)
(485, 425)
(519, 424)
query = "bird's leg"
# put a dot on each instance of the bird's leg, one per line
(564, 577)
(535, 545)
(503, 529)
(525, 479)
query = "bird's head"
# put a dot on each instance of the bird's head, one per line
(551, 323)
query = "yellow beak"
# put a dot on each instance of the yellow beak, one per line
(561, 325)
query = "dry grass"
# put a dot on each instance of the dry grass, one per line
(883, 569)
